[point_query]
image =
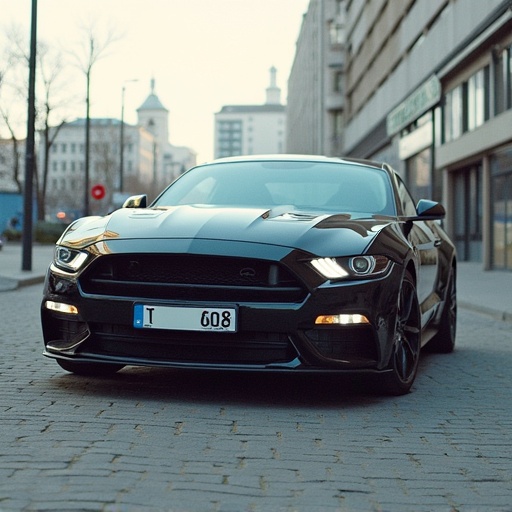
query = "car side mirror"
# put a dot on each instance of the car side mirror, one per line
(430, 210)
(140, 201)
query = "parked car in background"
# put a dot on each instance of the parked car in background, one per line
(276, 263)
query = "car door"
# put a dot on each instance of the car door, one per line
(425, 244)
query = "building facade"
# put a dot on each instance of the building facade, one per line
(66, 163)
(316, 83)
(252, 129)
(148, 162)
(428, 89)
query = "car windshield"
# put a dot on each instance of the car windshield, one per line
(339, 187)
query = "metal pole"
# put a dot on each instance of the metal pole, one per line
(30, 147)
(87, 143)
(121, 137)
(121, 143)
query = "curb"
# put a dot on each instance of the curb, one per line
(8, 284)
(503, 316)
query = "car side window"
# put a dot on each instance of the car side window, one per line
(406, 201)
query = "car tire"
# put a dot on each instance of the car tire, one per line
(406, 342)
(444, 341)
(89, 369)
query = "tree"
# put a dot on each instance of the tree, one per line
(8, 65)
(50, 72)
(51, 98)
(93, 47)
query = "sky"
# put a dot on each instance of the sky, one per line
(203, 54)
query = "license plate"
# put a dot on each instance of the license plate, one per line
(183, 318)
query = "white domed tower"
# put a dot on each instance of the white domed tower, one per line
(153, 116)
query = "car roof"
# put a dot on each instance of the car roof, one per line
(299, 158)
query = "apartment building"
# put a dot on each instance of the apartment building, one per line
(429, 90)
(148, 163)
(252, 129)
(427, 87)
(315, 100)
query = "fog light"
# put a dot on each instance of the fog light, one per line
(60, 307)
(341, 319)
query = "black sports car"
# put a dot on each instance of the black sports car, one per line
(283, 263)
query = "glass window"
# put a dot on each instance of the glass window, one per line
(509, 77)
(302, 185)
(501, 168)
(467, 197)
(418, 175)
(338, 81)
(438, 126)
(453, 115)
(337, 117)
(406, 201)
(503, 80)
(336, 33)
(478, 95)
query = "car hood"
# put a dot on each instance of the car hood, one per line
(317, 233)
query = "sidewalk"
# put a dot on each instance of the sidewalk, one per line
(11, 260)
(487, 292)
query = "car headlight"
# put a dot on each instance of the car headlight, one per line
(356, 266)
(69, 259)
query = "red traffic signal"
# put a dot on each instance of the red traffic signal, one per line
(98, 192)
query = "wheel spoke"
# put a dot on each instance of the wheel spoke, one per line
(403, 363)
(406, 302)
(407, 333)
(411, 329)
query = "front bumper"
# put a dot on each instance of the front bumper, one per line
(270, 336)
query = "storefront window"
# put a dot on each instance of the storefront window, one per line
(418, 175)
(501, 168)
(467, 190)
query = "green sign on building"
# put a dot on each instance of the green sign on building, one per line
(423, 98)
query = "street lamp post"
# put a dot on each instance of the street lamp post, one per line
(26, 263)
(121, 137)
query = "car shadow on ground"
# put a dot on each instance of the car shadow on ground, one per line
(235, 387)
(436, 371)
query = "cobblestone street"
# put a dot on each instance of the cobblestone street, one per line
(159, 439)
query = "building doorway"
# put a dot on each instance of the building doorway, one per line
(501, 172)
(467, 192)
(502, 222)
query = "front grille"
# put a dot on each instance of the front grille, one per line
(182, 346)
(344, 343)
(191, 277)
